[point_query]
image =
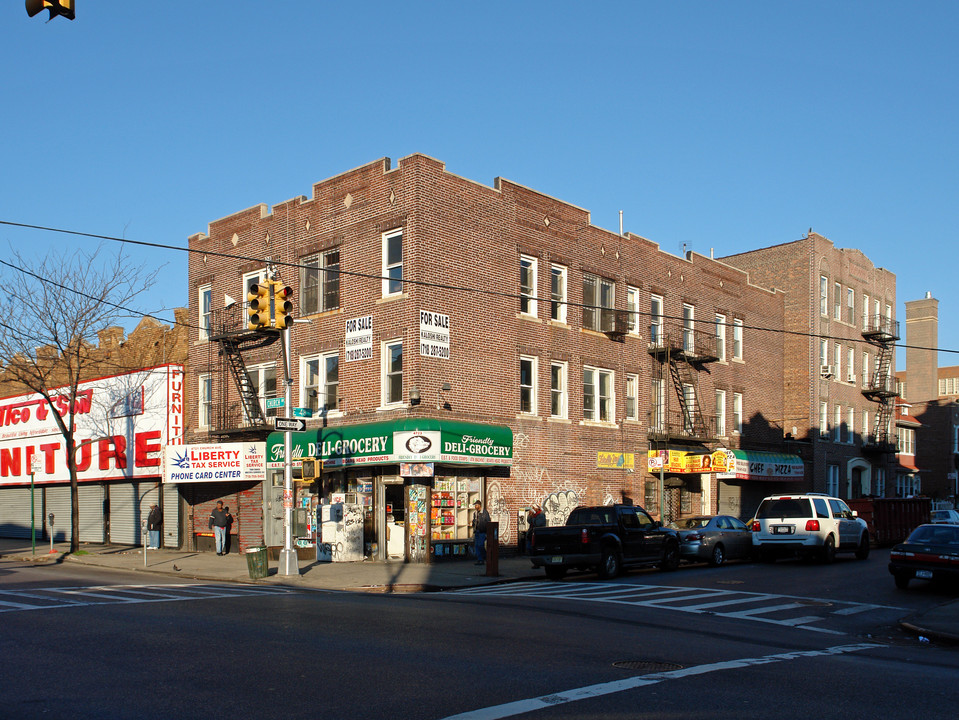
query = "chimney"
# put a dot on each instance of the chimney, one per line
(922, 366)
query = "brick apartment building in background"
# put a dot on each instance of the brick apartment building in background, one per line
(838, 389)
(494, 332)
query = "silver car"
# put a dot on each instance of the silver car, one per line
(713, 538)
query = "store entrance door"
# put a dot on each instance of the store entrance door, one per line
(394, 521)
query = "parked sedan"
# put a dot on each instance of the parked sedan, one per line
(945, 516)
(713, 538)
(931, 552)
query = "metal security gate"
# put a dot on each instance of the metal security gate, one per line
(125, 515)
(91, 512)
(170, 537)
(15, 512)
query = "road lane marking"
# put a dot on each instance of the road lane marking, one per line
(518, 707)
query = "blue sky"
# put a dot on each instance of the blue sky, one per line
(718, 125)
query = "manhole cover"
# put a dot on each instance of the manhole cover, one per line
(647, 666)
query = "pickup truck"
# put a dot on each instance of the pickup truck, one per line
(605, 538)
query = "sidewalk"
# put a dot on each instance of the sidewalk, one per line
(939, 623)
(395, 576)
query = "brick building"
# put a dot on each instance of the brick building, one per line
(130, 404)
(838, 390)
(597, 367)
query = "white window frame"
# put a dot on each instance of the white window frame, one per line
(865, 369)
(837, 361)
(851, 364)
(632, 307)
(851, 306)
(865, 311)
(720, 413)
(738, 413)
(597, 380)
(689, 327)
(832, 480)
(527, 391)
(632, 396)
(837, 301)
(316, 271)
(528, 277)
(605, 299)
(824, 419)
(259, 375)
(387, 373)
(251, 278)
(850, 425)
(879, 484)
(823, 351)
(721, 337)
(559, 390)
(205, 310)
(656, 310)
(823, 296)
(657, 410)
(837, 426)
(558, 284)
(390, 266)
(866, 430)
(204, 418)
(737, 339)
(320, 403)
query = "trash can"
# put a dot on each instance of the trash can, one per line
(256, 563)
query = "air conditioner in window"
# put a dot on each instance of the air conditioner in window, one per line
(826, 371)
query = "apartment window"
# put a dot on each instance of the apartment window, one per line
(527, 385)
(737, 339)
(955, 439)
(906, 441)
(598, 394)
(851, 425)
(558, 394)
(876, 320)
(837, 301)
(865, 312)
(738, 413)
(392, 372)
(557, 293)
(632, 305)
(206, 401)
(527, 285)
(632, 397)
(392, 263)
(837, 427)
(689, 401)
(721, 337)
(823, 295)
(263, 378)
(656, 320)
(597, 295)
(320, 282)
(689, 321)
(249, 280)
(851, 365)
(320, 382)
(658, 402)
(879, 475)
(907, 485)
(823, 352)
(721, 413)
(850, 306)
(865, 426)
(823, 420)
(837, 361)
(205, 303)
(832, 480)
(865, 369)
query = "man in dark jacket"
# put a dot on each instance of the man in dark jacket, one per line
(480, 521)
(154, 522)
(219, 521)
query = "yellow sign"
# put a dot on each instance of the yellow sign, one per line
(683, 461)
(615, 461)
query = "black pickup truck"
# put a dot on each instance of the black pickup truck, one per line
(607, 538)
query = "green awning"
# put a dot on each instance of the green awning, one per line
(761, 465)
(413, 440)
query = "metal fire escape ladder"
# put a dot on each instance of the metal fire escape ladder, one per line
(882, 333)
(244, 384)
(682, 376)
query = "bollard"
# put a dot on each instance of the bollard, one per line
(492, 549)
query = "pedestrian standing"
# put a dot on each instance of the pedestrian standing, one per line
(154, 522)
(480, 521)
(219, 520)
(536, 518)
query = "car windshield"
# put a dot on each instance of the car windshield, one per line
(785, 508)
(689, 523)
(932, 535)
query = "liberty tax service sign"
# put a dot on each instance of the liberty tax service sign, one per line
(122, 424)
(215, 462)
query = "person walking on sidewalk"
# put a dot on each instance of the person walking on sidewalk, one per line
(154, 521)
(480, 521)
(219, 521)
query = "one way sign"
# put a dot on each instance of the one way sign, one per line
(294, 424)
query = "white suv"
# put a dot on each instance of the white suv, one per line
(808, 524)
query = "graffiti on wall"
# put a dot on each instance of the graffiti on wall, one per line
(558, 505)
(497, 508)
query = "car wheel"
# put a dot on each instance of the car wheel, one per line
(828, 550)
(555, 572)
(718, 557)
(862, 552)
(670, 558)
(902, 580)
(610, 565)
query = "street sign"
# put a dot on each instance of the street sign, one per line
(277, 402)
(302, 412)
(294, 424)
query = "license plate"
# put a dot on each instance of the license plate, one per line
(782, 529)
(924, 574)
(556, 559)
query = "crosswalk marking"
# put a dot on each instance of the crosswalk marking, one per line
(66, 597)
(766, 607)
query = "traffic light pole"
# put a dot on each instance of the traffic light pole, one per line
(288, 559)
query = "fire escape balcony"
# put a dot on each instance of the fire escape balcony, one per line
(683, 345)
(679, 426)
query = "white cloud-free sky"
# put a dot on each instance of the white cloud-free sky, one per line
(715, 125)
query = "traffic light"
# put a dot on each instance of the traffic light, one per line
(258, 305)
(56, 7)
(283, 305)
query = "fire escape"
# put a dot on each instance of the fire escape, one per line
(230, 338)
(681, 352)
(882, 332)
